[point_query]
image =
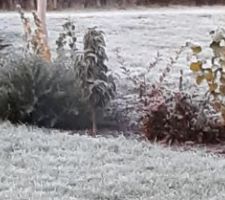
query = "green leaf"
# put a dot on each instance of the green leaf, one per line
(196, 49)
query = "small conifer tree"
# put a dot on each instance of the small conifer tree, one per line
(97, 86)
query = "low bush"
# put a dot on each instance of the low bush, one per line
(40, 93)
(176, 116)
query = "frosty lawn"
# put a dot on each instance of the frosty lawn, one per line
(37, 164)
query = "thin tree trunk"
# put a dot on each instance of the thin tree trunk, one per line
(98, 3)
(55, 4)
(94, 126)
(32, 4)
(85, 3)
(41, 11)
(11, 4)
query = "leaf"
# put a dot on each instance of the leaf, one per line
(222, 89)
(92, 55)
(196, 66)
(217, 105)
(217, 50)
(222, 62)
(199, 79)
(214, 45)
(209, 75)
(196, 49)
(222, 79)
(213, 87)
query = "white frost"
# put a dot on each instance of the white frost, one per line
(36, 164)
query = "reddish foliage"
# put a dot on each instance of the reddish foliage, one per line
(172, 117)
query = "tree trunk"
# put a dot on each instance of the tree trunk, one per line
(32, 5)
(41, 11)
(11, 4)
(85, 4)
(98, 3)
(55, 4)
(94, 126)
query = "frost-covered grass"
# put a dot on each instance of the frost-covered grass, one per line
(37, 164)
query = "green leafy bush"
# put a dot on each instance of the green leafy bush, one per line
(42, 94)
(69, 93)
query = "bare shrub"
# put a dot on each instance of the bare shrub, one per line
(172, 116)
